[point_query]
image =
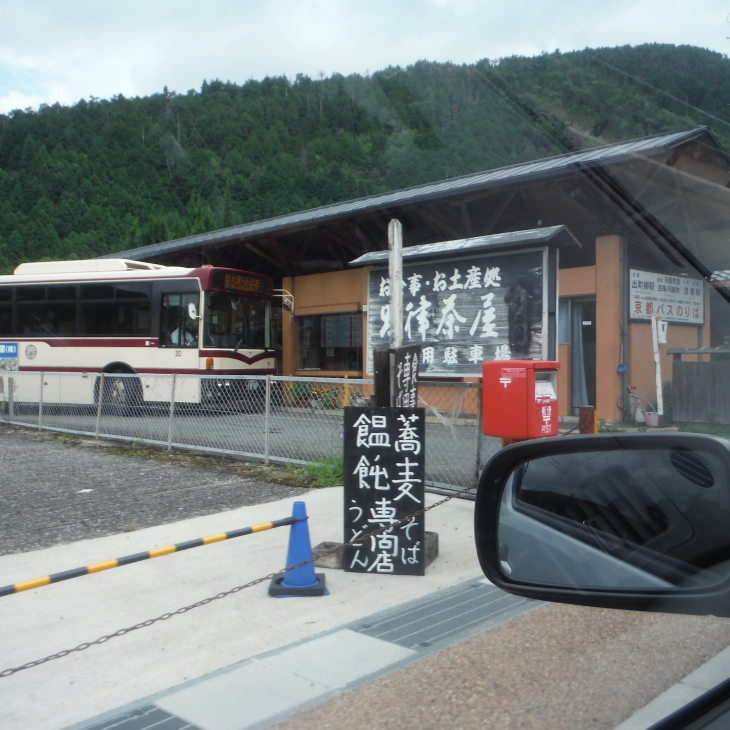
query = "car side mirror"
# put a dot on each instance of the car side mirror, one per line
(633, 521)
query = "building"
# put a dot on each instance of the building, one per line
(649, 217)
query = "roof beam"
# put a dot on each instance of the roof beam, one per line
(501, 208)
(343, 243)
(360, 235)
(308, 240)
(263, 255)
(466, 219)
(445, 227)
(336, 251)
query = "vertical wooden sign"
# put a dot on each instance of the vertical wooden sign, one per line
(405, 377)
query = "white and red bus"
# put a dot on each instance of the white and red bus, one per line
(129, 317)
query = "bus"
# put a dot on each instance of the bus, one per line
(122, 318)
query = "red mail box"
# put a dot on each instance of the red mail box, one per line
(520, 398)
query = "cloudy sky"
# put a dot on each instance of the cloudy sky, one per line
(65, 50)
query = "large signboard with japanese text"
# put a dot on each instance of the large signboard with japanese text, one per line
(669, 297)
(464, 311)
(384, 482)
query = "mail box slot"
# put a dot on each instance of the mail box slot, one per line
(520, 398)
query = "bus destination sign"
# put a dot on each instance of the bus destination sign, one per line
(243, 283)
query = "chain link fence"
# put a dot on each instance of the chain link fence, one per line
(266, 418)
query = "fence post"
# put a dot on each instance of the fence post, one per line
(40, 404)
(479, 434)
(172, 412)
(11, 398)
(99, 398)
(267, 419)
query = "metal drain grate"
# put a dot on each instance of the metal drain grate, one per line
(443, 616)
(148, 717)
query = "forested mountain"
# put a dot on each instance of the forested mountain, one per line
(106, 175)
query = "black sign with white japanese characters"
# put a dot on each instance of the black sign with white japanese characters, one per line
(384, 482)
(405, 376)
(464, 311)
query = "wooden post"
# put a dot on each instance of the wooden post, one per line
(395, 271)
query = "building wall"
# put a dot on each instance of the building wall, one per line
(347, 291)
(329, 293)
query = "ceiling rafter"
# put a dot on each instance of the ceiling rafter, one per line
(263, 255)
(466, 219)
(499, 212)
(445, 227)
(347, 245)
(336, 250)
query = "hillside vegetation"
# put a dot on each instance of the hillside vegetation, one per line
(105, 175)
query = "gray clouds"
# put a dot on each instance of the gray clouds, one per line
(55, 50)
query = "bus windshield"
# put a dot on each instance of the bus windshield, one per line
(236, 321)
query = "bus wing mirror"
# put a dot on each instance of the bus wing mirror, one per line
(631, 521)
(192, 311)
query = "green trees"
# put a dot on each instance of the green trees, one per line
(105, 175)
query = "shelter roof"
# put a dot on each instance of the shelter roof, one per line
(384, 202)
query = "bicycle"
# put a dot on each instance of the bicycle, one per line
(630, 403)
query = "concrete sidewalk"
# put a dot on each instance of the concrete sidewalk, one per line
(213, 637)
(260, 692)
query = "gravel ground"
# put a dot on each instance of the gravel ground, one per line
(44, 502)
(562, 667)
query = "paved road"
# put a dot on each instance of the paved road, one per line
(556, 667)
(294, 434)
(53, 493)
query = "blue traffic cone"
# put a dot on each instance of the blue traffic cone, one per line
(301, 581)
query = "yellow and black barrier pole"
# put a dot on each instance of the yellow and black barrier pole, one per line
(45, 580)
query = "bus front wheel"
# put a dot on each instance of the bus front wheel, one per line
(122, 395)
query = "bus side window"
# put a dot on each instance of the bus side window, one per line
(177, 329)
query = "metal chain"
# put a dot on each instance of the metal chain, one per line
(224, 594)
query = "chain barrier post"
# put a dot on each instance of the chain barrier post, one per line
(267, 419)
(99, 406)
(40, 403)
(11, 398)
(172, 411)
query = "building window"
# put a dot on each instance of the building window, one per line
(330, 341)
